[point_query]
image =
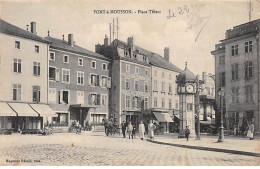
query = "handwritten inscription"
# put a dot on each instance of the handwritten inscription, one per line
(180, 11)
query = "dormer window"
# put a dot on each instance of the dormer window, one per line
(134, 56)
(125, 53)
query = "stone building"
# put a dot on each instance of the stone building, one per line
(237, 71)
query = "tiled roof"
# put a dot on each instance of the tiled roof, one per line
(154, 58)
(63, 45)
(10, 29)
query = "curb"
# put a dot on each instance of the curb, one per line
(209, 149)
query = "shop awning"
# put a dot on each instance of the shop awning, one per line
(84, 106)
(23, 109)
(5, 110)
(163, 117)
(44, 110)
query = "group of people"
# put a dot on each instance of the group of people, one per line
(130, 129)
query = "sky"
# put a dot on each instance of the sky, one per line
(189, 28)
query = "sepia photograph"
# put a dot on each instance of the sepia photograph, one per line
(129, 83)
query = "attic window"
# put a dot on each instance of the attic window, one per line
(134, 56)
(125, 53)
(144, 58)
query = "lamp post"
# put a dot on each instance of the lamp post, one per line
(221, 93)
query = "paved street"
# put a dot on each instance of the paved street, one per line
(97, 149)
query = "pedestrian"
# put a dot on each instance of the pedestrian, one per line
(187, 133)
(123, 125)
(133, 132)
(141, 130)
(130, 129)
(151, 130)
(250, 132)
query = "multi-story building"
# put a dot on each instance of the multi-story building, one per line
(237, 70)
(23, 80)
(79, 83)
(165, 100)
(143, 85)
(207, 99)
(131, 80)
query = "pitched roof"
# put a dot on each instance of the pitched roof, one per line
(63, 45)
(154, 58)
(10, 29)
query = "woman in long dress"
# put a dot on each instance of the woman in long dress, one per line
(250, 132)
(141, 130)
(151, 130)
(129, 130)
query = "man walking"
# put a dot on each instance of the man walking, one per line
(123, 125)
(187, 133)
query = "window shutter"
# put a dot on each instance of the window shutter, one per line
(60, 97)
(133, 102)
(57, 75)
(109, 82)
(90, 99)
(89, 80)
(97, 80)
(98, 99)
(101, 82)
(123, 83)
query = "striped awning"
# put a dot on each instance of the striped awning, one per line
(23, 109)
(5, 110)
(163, 117)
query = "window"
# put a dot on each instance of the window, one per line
(80, 62)
(36, 68)
(248, 69)
(163, 86)
(104, 100)
(80, 97)
(234, 72)
(65, 59)
(52, 56)
(155, 101)
(136, 85)
(170, 103)
(162, 74)
(127, 101)
(16, 92)
(155, 72)
(249, 93)
(52, 95)
(125, 53)
(80, 77)
(146, 72)
(93, 64)
(146, 86)
(127, 84)
(155, 85)
(127, 68)
(94, 99)
(136, 70)
(94, 80)
(136, 102)
(36, 94)
(222, 79)
(17, 44)
(37, 49)
(163, 103)
(170, 88)
(65, 75)
(54, 74)
(104, 81)
(222, 60)
(176, 104)
(104, 66)
(234, 50)
(248, 46)
(146, 103)
(17, 65)
(64, 97)
(189, 107)
(235, 95)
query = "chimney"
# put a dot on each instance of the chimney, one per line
(167, 53)
(33, 27)
(106, 40)
(130, 41)
(98, 48)
(70, 40)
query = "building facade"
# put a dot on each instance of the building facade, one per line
(79, 83)
(207, 99)
(23, 80)
(237, 71)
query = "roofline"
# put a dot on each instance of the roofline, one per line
(165, 68)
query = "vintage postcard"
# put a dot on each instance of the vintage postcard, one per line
(129, 83)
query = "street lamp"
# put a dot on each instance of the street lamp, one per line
(221, 93)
